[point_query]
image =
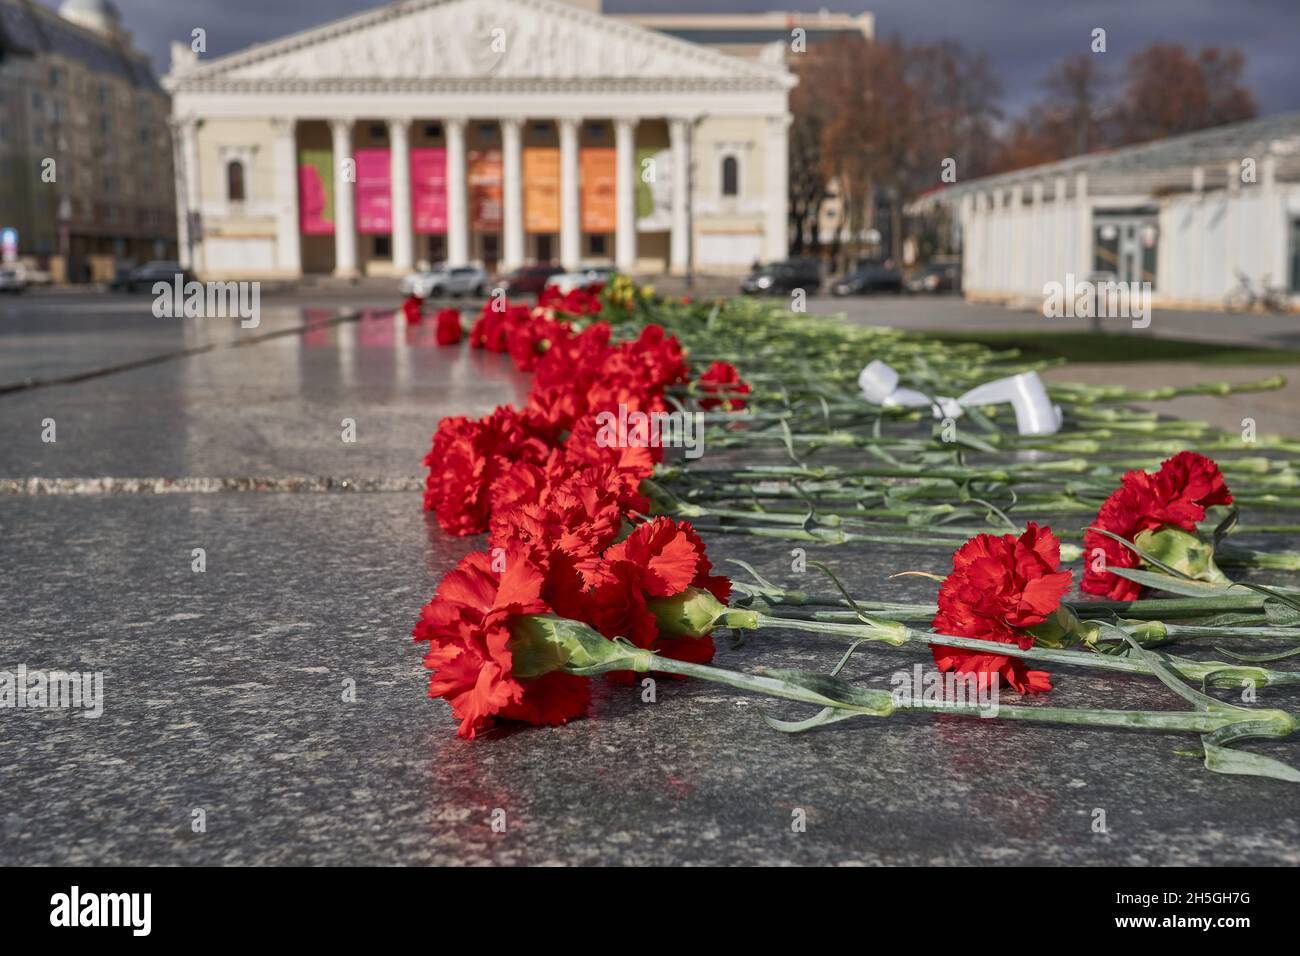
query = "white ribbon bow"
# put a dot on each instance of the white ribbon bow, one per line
(1035, 413)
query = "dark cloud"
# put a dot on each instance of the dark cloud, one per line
(1022, 38)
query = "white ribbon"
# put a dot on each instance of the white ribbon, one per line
(1035, 413)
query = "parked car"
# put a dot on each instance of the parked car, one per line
(441, 281)
(936, 277)
(566, 282)
(530, 280)
(870, 277)
(32, 274)
(142, 278)
(11, 280)
(781, 278)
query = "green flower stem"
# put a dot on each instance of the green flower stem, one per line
(881, 704)
(1233, 556)
(896, 635)
(1146, 608)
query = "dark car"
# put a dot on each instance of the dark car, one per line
(781, 278)
(142, 278)
(530, 280)
(870, 277)
(936, 277)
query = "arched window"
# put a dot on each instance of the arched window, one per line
(234, 181)
(730, 176)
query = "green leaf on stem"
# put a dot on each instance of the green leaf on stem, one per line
(1174, 585)
(1258, 658)
(1222, 759)
(1224, 527)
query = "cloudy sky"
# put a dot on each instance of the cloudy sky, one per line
(1022, 38)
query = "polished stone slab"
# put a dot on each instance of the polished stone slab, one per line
(225, 693)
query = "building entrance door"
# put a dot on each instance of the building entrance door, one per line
(1125, 244)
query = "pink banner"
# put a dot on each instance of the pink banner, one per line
(316, 192)
(429, 189)
(374, 193)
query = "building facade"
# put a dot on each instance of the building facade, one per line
(498, 132)
(86, 177)
(1189, 215)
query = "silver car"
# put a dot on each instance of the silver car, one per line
(11, 280)
(442, 281)
(584, 278)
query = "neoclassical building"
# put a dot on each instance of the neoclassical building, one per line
(498, 132)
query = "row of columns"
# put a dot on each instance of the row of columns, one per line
(289, 243)
(512, 226)
(1008, 248)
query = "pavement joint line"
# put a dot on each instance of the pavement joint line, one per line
(111, 486)
(104, 370)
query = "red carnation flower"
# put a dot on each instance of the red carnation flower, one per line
(448, 330)
(530, 340)
(467, 457)
(467, 626)
(1175, 496)
(495, 325)
(723, 380)
(999, 586)
(413, 310)
(660, 559)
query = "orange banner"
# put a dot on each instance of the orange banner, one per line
(484, 173)
(541, 189)
(599, 170)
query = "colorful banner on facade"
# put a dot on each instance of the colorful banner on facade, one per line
(316, 192)
(541, 189)
(374, 192)
(484, 174)
(598, 170)
(429, 189)
(654, 189)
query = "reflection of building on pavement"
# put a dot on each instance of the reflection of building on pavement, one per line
(85, 155)
(1190, 215)
(497, 132)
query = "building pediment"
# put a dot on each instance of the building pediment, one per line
(474, 40)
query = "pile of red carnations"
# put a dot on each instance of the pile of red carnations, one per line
(579, 579)
(569, 530)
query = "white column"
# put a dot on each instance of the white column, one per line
(192, 245)
(1083, 227)
(180, 186)
(1060, 228)
(345, 225)
(776, 230)
(679, 134)
(1040, 240)
(457, 197)
(288, 243)
(570, 208)
(512, 188)
(399, 164)
(625, 193)
(1018, 248)
(1233, 258)
(966, 220)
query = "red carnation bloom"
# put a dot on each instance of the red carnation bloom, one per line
(722, 379)
(496, 324)
(1176, 496)
(573, 302)
(467, 457)
(467, 626)
(583, 445)
(998, 587)
(413, 310)
(531, 340)
(659, 559)
(448, 329)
